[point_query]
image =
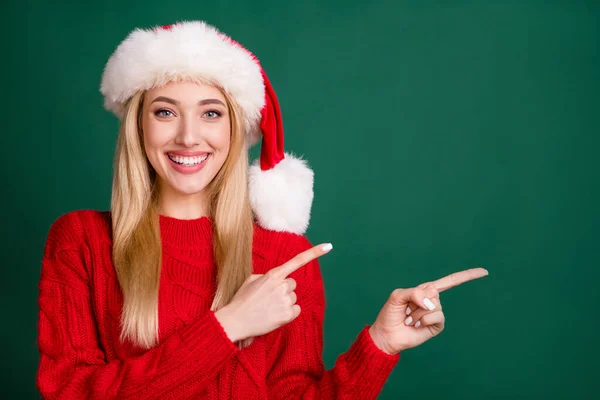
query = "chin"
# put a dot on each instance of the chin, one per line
(185, 185)
(188, 190)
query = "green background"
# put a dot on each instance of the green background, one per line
(444, 135)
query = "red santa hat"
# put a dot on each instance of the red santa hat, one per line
(280, 185)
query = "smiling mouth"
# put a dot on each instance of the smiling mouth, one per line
(188, 161)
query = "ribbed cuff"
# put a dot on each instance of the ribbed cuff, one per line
(369, 364)
(207, 340)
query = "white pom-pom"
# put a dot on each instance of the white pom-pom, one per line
(281, 198)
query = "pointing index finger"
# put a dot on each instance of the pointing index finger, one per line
(459, 278)
(302, 259)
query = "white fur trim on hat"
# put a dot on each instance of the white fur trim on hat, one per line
(151, 58)
(281, 197)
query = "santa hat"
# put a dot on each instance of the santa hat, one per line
(280, 185)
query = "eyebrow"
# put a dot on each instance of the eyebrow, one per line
(200, 103)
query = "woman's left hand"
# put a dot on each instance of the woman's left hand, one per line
(413, 316)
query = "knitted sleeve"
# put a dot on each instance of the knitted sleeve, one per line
(72, 363)
(299, 373)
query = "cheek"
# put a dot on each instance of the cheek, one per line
(220, 140)
(154, 138)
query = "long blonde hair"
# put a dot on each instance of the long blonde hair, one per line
(137, 248)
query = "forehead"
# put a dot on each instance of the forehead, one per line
(186, 92)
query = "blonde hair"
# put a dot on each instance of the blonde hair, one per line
(137, 249)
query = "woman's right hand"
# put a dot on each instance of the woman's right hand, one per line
(266, 301)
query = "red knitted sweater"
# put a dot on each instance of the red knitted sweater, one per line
(80, 304)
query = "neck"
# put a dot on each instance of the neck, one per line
(181, 206)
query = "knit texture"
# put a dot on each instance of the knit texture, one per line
(80, 303)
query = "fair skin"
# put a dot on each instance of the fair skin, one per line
(185, 119)
(267, 301)
(185, 122)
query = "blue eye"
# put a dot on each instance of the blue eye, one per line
(213, 114)
(158, 112)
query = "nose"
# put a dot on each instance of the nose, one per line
(187, 133)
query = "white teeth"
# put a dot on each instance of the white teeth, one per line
(187, 161)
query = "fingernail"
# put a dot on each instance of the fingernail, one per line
(418, 324)
(408, 320)
(428, 304)
(327, 247)
(408, 310)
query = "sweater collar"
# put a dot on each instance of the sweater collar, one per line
(181, 233)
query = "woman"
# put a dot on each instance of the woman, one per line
(199, 282)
